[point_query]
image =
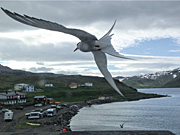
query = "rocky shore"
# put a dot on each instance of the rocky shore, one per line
(64, 119)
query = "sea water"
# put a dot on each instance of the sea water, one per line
(148, 114)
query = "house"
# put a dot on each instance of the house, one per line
(88, 84)
(49, 85)
(40, 99)
(20, 86)
(73, 85)
(9, 98)
(30, 88)
(50, 100)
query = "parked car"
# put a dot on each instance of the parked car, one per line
(38, 105)
(34, 115)
(53, 106)
(51, 112)
(19, 108)
(37, 110)
(58, 107)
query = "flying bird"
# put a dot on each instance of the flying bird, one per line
(89, 42)
(121, 125)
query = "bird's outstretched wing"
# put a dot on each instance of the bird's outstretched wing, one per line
(40, 23)
(106, 46)
(101, 61)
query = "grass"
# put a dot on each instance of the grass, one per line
(61, 91)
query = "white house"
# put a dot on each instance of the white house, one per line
(30, 88)
(49, 85)
(88, 84)
(9, 98)
(20, 86)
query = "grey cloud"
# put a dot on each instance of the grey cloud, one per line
(40, 69)
(130, 15)
(39, 63)
(68, 72)
(16, 50)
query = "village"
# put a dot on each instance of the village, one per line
(15, 106)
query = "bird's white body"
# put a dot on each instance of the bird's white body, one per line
(89, 43)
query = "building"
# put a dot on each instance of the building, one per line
(10, 98)
(40, 99)
(30, 88)
(20, 86)
(24, 87)
(73, 85)
(49, 85)
(88, 84)
(50, 100)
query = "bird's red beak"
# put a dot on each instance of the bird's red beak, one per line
(75, 49)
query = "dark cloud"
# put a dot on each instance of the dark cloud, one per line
(130, 15)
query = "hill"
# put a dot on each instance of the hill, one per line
(61, 90)
(167, 79)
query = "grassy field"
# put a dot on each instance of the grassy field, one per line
(61, 91)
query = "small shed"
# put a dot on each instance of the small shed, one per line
(50, 100)
(40, 99)
(73, 85)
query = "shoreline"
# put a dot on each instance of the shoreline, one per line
(82, 104)
(61, 122)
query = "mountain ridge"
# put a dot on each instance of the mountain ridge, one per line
(170, 78)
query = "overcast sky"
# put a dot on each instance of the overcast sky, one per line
(148, 29)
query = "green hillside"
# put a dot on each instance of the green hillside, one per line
(61, 90)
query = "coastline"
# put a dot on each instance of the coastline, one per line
(61, 122)
(82, 104)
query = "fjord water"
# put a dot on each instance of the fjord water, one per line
(149, 114)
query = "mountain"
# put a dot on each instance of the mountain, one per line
(4, 69)
(159, 79)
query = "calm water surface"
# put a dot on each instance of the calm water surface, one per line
(149, 114)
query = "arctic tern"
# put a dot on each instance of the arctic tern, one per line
(89, 42)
